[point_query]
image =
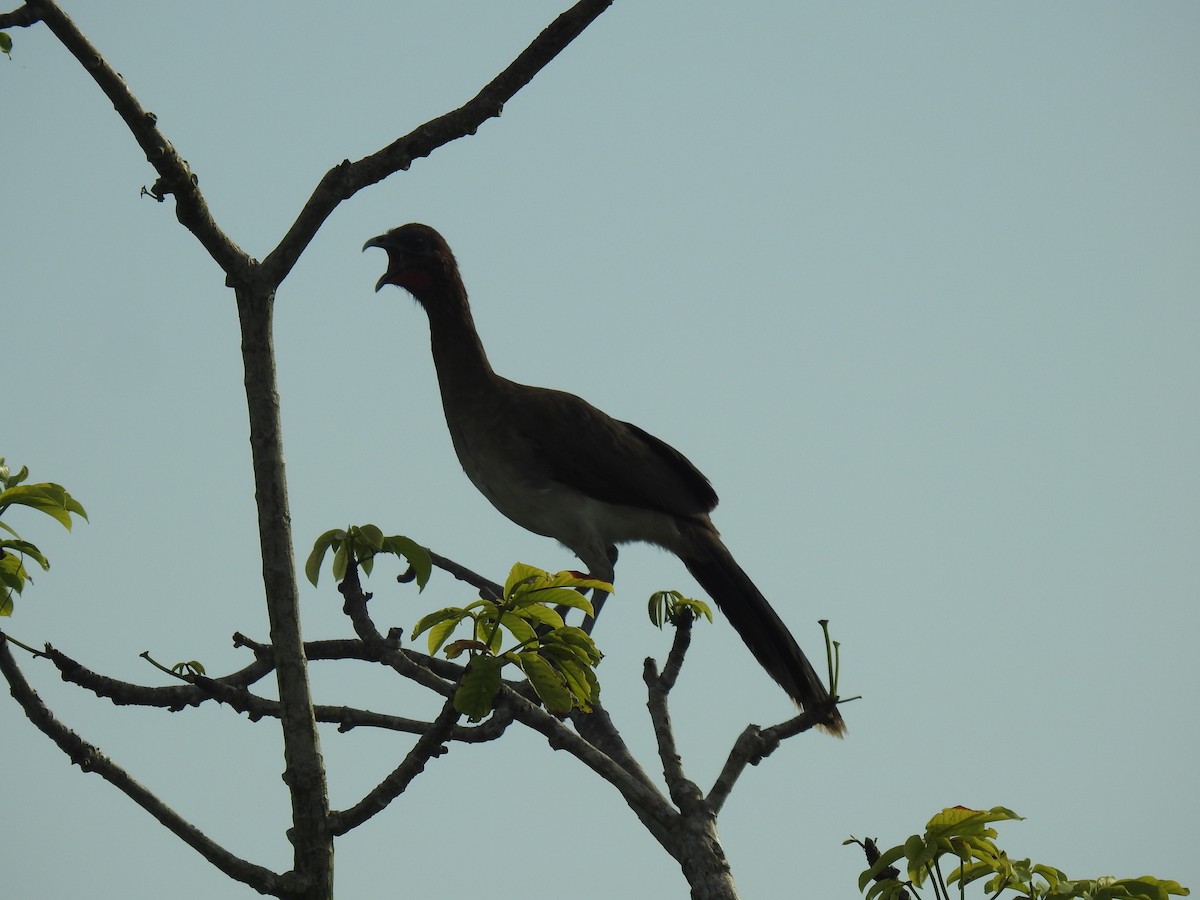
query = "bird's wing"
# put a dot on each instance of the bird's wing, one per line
(608, 459)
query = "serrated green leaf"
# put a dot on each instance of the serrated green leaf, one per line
(477, 691)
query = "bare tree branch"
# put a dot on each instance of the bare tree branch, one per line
(647, 802)
(754, 745)
(232, 691)
(485, 586)
(347, 178)
(21, 17)
(377, 800)
(174, 174)
(90, 759)
(597, 728)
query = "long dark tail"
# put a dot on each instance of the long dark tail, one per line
(759, 625)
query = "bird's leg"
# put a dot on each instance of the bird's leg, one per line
(599, 596)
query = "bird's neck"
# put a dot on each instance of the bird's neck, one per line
(461, 362)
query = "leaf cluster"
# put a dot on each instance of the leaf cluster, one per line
(671, 607)
(360, 544)
(51, 499)
(963, 837)
(524, 629)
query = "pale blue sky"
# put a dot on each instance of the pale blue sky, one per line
(915, 285)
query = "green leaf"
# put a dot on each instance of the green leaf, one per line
(341, 560)
(886, 859)
(312, 567)
(12, 480)
(521, 573)
(439, 633)
(417, 556)
(477, 691)
(12, 572)
(556, 596)
(51, 499)
(959, 820)
(520, 629)
(670, 606)
(440, 625)
(540, 615)
(549, 685)
(580, 678)
(524, 578)
(581, 641)
(5, 43)
(371, 536)
(26, 549)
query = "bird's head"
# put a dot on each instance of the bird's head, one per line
(419, 260)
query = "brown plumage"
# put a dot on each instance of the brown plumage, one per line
(557, 466)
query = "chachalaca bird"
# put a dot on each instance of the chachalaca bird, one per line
(559, 467)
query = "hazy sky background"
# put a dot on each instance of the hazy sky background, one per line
(915, 285)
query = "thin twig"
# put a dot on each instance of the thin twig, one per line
(487, 588)
(90, 759)
(426, 748)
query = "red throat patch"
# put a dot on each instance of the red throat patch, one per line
(414, 279)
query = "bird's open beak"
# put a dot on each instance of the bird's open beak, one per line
(381, 242)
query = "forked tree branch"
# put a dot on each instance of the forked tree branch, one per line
(90, 759)
(427, 747)
(339, 183)
(174, 175)
(346, 179)
(21, 17)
